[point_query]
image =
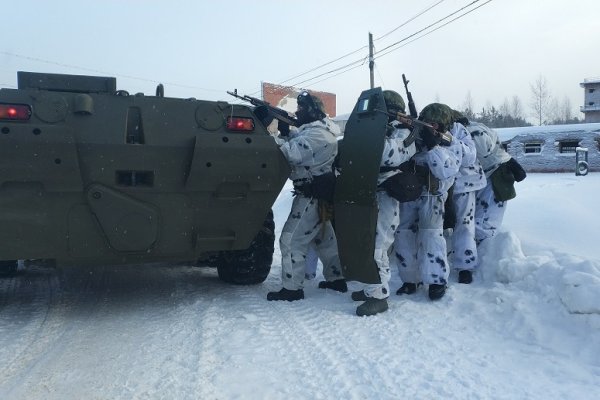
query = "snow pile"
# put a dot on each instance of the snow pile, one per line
(575, 281)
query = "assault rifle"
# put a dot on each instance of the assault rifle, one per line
(411, 103)
(272, 112)
(417, 125)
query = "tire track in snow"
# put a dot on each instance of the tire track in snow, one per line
(301, 324)
(277, 322)
(189, 370)
(38, 297)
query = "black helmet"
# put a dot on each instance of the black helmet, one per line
(314, 106)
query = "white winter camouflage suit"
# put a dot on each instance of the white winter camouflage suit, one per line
(469, 180)
(310, 151)
(489, 212)
(419, 244)
(394, 154)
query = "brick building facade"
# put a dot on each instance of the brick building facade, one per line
(285, 97)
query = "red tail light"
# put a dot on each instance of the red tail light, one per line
(15, 112)
(240, 124)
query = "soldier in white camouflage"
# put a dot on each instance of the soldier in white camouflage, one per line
(470, 178)
(501, 171)
(310, 151)
(395, 152)
(419, 244)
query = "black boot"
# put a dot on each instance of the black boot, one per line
(285, 294)
(436, 292)
(465, 276)
(407, 288)
(372, 306)
(338, 285)
(359, 296)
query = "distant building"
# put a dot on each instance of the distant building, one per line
(341, 120)
(591, 99)
(551, 148)
(285, 97)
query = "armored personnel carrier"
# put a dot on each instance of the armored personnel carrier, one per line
(94, 175)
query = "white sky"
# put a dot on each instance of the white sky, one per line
(203, 48)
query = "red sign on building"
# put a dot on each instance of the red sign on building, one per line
(285, 97)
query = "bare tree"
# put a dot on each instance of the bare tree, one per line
(566, 109)
(553, 111)
(504, 108)
(516, 109)
(540, 99)
(468, 107)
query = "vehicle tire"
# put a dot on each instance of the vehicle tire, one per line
(8, 267)
(250, 266)
(582, 168)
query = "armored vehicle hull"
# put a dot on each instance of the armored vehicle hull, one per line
(92, 175)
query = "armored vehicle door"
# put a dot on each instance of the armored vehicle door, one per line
(355, 199)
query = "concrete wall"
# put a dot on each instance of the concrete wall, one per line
(591, 100)
(550, 159)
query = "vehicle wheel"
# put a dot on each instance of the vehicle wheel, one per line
(582, 168)
(8, 267)
(250, 266)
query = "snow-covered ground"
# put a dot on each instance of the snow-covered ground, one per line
(527, 328)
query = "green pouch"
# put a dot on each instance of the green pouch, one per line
(503, 183)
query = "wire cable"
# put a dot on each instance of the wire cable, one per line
(361, 61)
(429, 26)
(322, 65)
(105, 73)
(329, 77)
(340, 70)
(433, 30)
(409, 20)
(383, 51)
(359, 49)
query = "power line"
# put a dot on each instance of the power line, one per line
(361, 61)
(359, 49)
(433, 30)
(398, 42)
(409, 20)
(429, 26)
(340, 73)
(379, 74)
(322, 65)
(104, 72)
(340, 70)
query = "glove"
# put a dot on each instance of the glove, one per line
(389, 130)
(284, 129)
(262, 113)
(516, 169)
(429, 137)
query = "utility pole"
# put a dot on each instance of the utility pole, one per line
(371, 60)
